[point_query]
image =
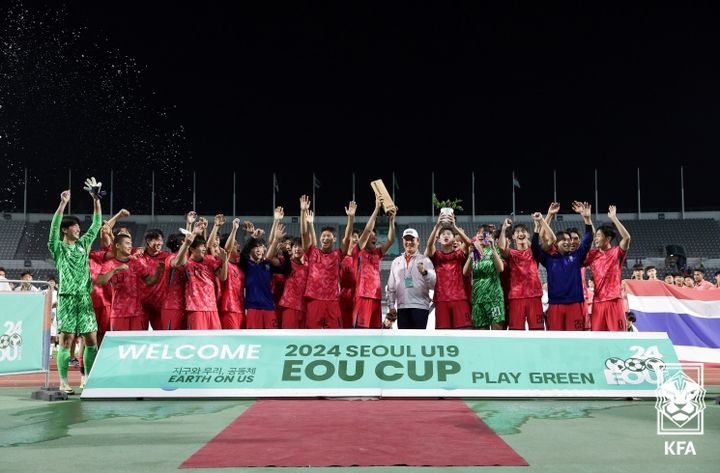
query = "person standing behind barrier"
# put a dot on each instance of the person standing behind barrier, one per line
(606, 262)
(75, 311)
(485, 265)
(452, 308)
(412, 276)
(524, 297)
(565, 288)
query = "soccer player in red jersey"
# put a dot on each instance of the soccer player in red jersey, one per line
(172, 307)
(278, 279)
(348, 280)
(524, 293)
(321, 292)
(606, 262)
(292, 302)
(452, 308)
(367, 312)
(126, 274)
(151, 296)
(231, 304)
(700, 282)
(200, 271)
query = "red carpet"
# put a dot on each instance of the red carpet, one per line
(413, 432)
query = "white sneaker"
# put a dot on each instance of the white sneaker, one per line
(82, 382)
(66, 388)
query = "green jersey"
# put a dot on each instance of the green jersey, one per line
(488, 305)
(71, 261)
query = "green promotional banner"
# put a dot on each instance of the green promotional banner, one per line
(297, 363)
(21, 332)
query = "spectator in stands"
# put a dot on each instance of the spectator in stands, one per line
(717, 279)
(688, 282)
(26, 285)
(412, 276)
(679, 280)
(631, 319)
(700, 282)
(4, 285)
(606, 263)
(637, 272)
(651, 273)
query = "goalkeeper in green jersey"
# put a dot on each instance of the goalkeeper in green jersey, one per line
(70, 251)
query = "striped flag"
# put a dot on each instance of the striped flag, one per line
(690, 317)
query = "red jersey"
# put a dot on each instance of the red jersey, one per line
(323, 273)
(606, 269)
(173, 281)
(348, 270)
(100, 295)
(125, 287)
(232, 290)
(524, 280)
(450, 285)
(153, 295)
(368, 263)
(200, 286)
(293, 296)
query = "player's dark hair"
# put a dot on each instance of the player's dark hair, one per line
(154, 234)
(328, 229)
(223, 239)
(608, 231)
(650, 267)
(120, 237)
(174, 242)
(520, 225)
(700, 270)
(637, 267)
(297, 241)
(198, 241)
(67, 222)
(631, 317)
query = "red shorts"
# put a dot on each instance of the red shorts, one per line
(203, 320)
(527, 308)
(609, 316)
(259, 318)
(568, 317)
(102, 315)
(323, 314)
(232, 320)
(452, 314)
(153, 314)
(172, 319)
(347, 304)
(127, 323)
(292, 318)
(367, 313)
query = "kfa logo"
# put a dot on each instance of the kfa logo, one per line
(680, 447)
(680, 399)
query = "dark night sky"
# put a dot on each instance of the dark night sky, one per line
(261, 87)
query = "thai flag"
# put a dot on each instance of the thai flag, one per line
(691, 317)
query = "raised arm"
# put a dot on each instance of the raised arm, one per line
(233, 234)
(115, 218)
(460, 232)
(467, 268)
(54, 237)
(278, 215)
(217, 223)
(181, 258)
(391, 231)
(430, 247)
(502, 241)
(273, 244)
(190, 218)
(305, 230)
(624, 234)
(370, 225)
(350, 212)
(545, 238)
(222, 271)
